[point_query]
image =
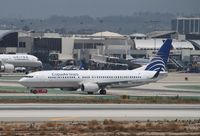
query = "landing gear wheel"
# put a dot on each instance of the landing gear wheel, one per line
(90, 92)
(102, 92)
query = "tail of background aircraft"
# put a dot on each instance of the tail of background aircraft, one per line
(82, 65)
(160, 60)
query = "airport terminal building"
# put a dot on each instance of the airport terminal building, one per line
(52, 46)
(186, 25)
(101, 48)
(8, 41)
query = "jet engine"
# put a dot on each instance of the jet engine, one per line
(89, 87)
(8, 68)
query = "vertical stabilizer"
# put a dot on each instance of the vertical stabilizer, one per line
(160, 60)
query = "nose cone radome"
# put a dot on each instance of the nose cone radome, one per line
(23, 81)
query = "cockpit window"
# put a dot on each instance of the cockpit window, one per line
(29, 76)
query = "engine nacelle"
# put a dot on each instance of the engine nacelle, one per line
(89, 87)
(8, 68)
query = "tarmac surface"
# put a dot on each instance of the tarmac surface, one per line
(85, 112)
(175, 84)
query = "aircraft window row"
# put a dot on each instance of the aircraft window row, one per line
(99, 77)
(116, 77)
(85, 76)
(29, 76)
(62, 77)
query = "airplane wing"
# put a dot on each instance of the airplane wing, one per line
(121, 84)
(111, 83)
(107, 84)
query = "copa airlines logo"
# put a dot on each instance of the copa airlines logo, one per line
(156, 64)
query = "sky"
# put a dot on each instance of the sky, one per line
(94, 8)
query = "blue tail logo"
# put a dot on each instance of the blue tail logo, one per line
(160, 60)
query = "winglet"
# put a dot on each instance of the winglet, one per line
(157, 73)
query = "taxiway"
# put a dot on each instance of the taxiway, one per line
(85, 112)
(164, 87)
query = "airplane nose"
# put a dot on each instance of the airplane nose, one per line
(22, 81)
(39, 64)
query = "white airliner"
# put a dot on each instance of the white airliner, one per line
(92, 81)
(8, 62)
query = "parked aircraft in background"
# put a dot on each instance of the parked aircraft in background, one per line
(92, 81)
(8, 62)
(140, 61)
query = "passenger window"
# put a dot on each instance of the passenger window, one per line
(29, 76)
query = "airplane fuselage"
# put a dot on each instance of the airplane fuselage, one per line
(67, 79)
(20, 60)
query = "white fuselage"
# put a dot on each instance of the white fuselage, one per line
(20, 60)
(74, 78)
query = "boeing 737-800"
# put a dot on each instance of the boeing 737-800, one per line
(92, 81)
(9, 61)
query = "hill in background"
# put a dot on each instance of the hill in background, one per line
(142, 22)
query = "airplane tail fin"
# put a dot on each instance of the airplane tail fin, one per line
(158, 63)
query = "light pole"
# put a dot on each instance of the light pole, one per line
(41, 25)
(155, 23)
(101, 23)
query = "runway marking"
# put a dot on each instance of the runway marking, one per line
(64, 119)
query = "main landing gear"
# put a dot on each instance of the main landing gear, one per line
(102, 92)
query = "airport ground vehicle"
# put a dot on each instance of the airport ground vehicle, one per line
(39, 91)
